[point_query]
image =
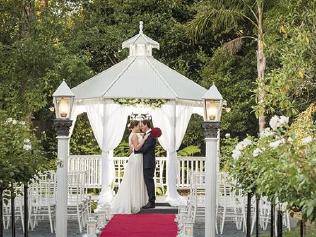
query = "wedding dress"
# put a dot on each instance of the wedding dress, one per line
(132, 194)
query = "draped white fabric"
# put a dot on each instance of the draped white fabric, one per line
(173, 120)
(108, 123)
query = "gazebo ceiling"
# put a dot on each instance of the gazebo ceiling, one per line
(139, 76)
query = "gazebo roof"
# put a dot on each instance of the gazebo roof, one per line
(139, 76)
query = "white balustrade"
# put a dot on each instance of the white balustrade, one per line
(91, 164)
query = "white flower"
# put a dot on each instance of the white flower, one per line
(14, 121)
(22, 123)
(243, 144)
(227, 135)
(283, 121)
(276, 122)
(27, 140)
(247, 141)
(256, 152)
(277, 143)
(307, 140)
(236, 154)
(27, 147)
(267, 132)
(9, 120)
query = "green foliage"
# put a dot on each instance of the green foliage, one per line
(194, 134)
(280, 164)
(21, 158)
(154, 103)
(189, 151)
(122, 150)
(233, 75)
(82, 141)
(227, 146)
(290, 86)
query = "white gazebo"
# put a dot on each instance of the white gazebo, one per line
(139, 76)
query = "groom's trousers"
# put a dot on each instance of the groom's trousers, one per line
(150, 184)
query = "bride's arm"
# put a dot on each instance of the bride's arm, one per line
(138, 144)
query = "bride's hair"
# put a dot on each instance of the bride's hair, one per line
(132, 124)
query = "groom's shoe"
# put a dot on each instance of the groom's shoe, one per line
(149, 205)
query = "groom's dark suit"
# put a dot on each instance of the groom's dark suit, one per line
(149, 164)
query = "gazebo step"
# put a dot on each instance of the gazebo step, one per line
(161, 207)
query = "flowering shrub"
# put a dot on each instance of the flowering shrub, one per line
(20, 156)
(280, 164)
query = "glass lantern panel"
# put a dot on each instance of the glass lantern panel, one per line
(212, 110)
(63, 107)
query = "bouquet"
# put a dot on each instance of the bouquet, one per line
(156, 132)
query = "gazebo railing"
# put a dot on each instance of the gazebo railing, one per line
(91, 164)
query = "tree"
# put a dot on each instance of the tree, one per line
(290, 83)
(21, 158)
(225, 15)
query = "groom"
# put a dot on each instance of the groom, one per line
(149, 163)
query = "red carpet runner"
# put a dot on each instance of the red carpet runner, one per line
(141, 225)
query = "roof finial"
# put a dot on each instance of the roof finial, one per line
(140, 27)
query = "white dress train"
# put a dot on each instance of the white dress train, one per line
(132, 194)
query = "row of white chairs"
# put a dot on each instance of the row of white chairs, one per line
(231, 206)
(42, 201)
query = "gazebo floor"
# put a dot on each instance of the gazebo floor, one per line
(162, 208)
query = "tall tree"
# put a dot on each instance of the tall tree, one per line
(225, 15)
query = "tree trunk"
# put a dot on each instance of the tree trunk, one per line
(1, 212)
(302, 228)
(26, 211)
(257, 215)
(27, 17)
(272, 220)
(12, 212)
(279, 223)
(261, 65)
(248, 234)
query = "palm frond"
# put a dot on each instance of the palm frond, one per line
(233, 46)
(216, 18)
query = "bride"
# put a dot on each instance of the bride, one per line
(132, 194)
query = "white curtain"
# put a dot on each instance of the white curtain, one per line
(108, 122)
(173, 120)
(76, 110)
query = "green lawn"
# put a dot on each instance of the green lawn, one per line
(296, 233)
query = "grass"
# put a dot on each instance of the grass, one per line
(310, 232)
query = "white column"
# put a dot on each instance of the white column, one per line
(210, 183)
(62, 186)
